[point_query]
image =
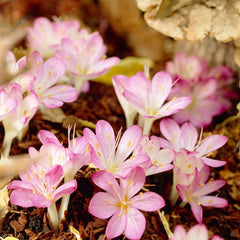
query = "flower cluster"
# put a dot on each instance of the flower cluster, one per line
(139, 94)
(191, 165)
(83, 53)
(209, 89)
(39, 185)
(122, 161)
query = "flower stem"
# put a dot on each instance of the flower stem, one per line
(64, 206)
(53, 215)
(174, 194)
(148, 122)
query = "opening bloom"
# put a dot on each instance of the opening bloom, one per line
(122, 203)
(112, 154)
(148, 97)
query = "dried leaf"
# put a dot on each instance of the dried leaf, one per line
(127, 66)
(194, 20)
(75, 232)
(4, 199)
(233, 181)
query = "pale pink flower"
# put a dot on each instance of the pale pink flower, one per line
(38, 186)
(85, 57)
(148, 97)
(186, 137)
(161, 159)
(7, 102)
(113, 154)
(196, 194)
(204, 105)
(15, 67)
(196, 232)
(121, 203)
(45, 36)
(47, 74)
(208, 88)
(19, 117)
(119, 83)
(224, 77)
(187, 68)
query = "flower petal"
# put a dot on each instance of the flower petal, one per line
(133, 182)
(135, 225)
(116, 225)
(103, 205)
(148, 201)
(211, 143)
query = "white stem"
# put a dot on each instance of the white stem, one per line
(53, 215)
(78, 85)
(130, 118)
(174, 194)
(23, 132)
(148, 122)
(65, 199)
(165, 224)
(140, 120)
(64, 206)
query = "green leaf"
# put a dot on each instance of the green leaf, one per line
(128, 66)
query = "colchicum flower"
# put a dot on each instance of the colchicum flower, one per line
(47, 74)
(45, 36)
(19, 118)
(209, 89)
(197, 232)
(122, 203)
(113, 155)
(196, 194)
(161, 159)
(85, 57)
(186, 137)
(39, 187)
(148, 97)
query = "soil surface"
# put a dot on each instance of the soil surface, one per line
(101, 103)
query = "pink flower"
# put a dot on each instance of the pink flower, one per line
(19, 117)
(45, 36)
(196, 194)
(119, 83)
(85, 57)
(160, 158)
(204, 105)
(7, 103)
(113, 154)
(186, 137)
(148, 97)
(209, 89)
(46, 75)
(197, 232)
(15, 67)
(187, 68)
(38, 186)
(121, 203)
